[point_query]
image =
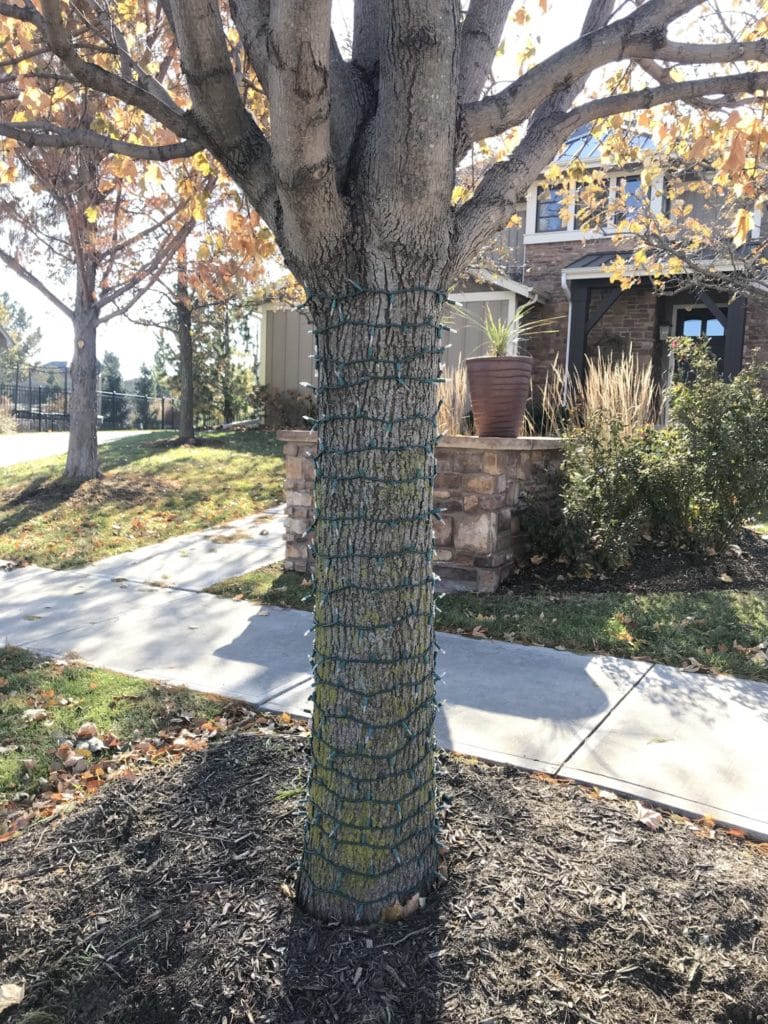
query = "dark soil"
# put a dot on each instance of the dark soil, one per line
(166, 901)
(657, 569)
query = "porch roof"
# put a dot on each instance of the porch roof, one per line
(592, 266)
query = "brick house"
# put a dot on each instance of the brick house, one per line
(550, 260)
(566, 268)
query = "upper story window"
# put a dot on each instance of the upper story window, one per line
(560, 213)
(551, 202)
(629, 197)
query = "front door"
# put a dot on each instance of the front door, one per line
(700, 323)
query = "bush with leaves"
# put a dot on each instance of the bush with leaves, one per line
(603, 504)
(693, 483)
(7, 419)
(707, 470)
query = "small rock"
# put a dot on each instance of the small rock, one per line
(94, 745)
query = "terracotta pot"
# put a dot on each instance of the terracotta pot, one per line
(498, 389)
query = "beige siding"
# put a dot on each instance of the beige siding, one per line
(287, 346)
(467, 321)
(287, 342)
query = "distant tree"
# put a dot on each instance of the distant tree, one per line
(114, 404)
(146, 384)
(19, 340)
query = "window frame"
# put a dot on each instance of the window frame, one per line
(570, 230)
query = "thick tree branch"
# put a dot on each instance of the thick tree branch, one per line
(505, 184)
(97, 78)
(638, 31)
(218, 109)
(418, 83)
(251, 18)
(480, 37)
(366, 38)
(53, 136)
(26, 275)
(730, 89)
(300, 113)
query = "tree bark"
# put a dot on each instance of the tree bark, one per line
(83, 452)
(371, 832)
(186, 371)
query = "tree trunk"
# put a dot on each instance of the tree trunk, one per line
(227, 385)
(370, 839)
(83, 451)
(186, 371)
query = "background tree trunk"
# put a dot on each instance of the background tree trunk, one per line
(371, 832)
(83, 452)
(186, 372)
(183, 307)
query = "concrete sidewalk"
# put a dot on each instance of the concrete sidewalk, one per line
(695, 743)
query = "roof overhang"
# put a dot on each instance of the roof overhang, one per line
(500, 284)
(602, 273)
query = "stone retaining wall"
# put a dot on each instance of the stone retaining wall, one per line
(479, 484)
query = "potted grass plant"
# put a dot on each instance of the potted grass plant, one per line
(500, 382)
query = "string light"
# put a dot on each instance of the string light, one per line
(378, 363)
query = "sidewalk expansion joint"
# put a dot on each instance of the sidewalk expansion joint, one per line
(604, 719)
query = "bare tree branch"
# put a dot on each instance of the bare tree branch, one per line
(480, 37)
(53, 136)
(218, 109)
(505, 184)
(98, 78)
(639, 31)
(148, 272)
(11, 262)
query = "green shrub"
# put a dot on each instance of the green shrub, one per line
(604, 513)
(693, 483)
(707, 470)
(7, 419)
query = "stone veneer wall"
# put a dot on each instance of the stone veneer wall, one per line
(479, 484)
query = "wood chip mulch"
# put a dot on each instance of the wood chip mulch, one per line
(167, 900)
(656, 569)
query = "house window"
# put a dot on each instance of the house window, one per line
(558, 212)
(629, 193)
(550, 202)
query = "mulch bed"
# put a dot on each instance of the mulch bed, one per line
(165, 900)
(657, 569)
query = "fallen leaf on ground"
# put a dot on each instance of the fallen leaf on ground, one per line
(87, 731)
(34, 714)
(399, 911)
(647, 817)
(11, 994)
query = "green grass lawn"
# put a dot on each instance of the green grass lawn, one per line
(151, 489)
(716, 628)
(63, 697)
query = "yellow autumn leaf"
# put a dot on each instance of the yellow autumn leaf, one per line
(91, 213)
(742, 227)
